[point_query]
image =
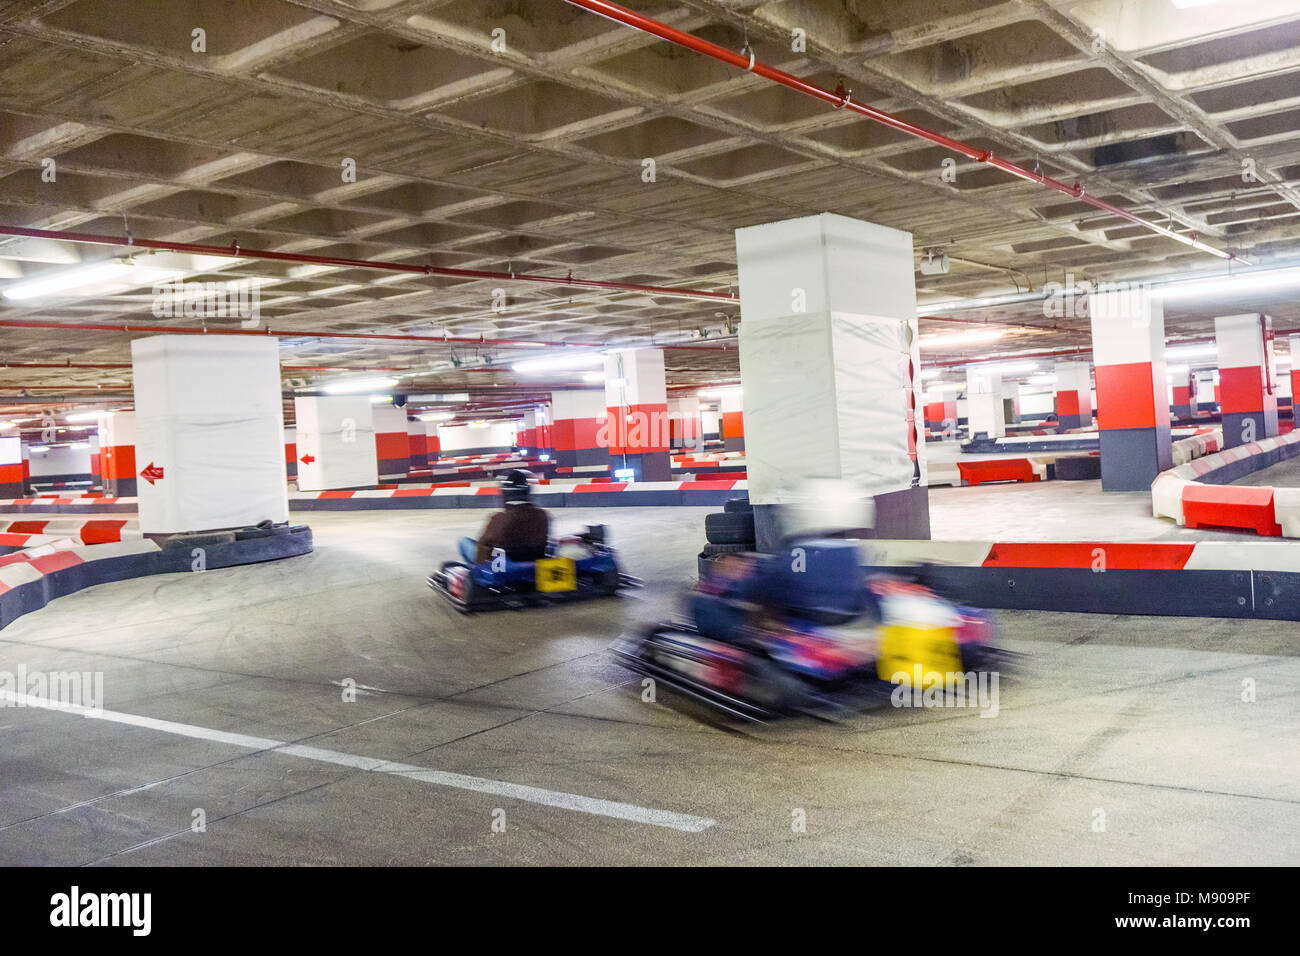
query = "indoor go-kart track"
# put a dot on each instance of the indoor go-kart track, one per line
(1134, 723)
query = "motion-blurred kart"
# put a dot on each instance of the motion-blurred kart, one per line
(575, 567)
(809, 630)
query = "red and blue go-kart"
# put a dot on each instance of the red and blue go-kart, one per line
(769, 637)
(574, 568)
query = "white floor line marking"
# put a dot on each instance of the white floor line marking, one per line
(551, 798)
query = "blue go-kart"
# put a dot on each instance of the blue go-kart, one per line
(575, 568)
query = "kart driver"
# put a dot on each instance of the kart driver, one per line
(521, 528)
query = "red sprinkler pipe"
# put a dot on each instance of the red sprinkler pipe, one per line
(841, 99)
(234, 250)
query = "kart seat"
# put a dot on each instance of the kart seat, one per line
(820, 579)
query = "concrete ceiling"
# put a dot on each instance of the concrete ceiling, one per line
(530, 159)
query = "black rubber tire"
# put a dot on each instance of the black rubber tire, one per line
(712, 549)
(729, 528)
(202, 540)
(738, 506)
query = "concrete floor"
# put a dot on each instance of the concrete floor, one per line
(1137, 719)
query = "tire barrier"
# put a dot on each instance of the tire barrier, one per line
(29, 581)
(1196, 494)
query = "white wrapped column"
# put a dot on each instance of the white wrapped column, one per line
(828, 360)
(336, 442)
(209, 433)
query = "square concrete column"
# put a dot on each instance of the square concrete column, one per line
(1181, 387)
(1247, 377)
(290, 452)
(117, 454)
(985, 410)
(1205, 400)
(579, 415)
(1295, 372)
(685, 427)
(392, 447)
(829, 359)
(11, 467)
(1073, 395)
(336, 442)
(1128, 350)
(417, 442)
(209, 432)
(731, 418)
(636, 409)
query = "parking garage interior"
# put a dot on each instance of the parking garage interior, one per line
(296, 294)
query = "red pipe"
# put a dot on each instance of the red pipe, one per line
(234, 250)
(841, 99)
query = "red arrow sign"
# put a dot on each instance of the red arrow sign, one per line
(306, 459)
(152, 473)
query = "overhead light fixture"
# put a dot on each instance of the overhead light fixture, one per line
(945, 387)
(87, 416)
(381, 399)
(723, 392)
(961, 338)
(87, 280)
(1041, 380)
(1192, 351)
(1008, 368)
(443, 398)
(436, 416)
(593, 376)
(1236, 283)
(480, 424)
(560, 363)
(348, 287)
(359, 385)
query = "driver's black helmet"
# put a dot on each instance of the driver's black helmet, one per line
(515, 486)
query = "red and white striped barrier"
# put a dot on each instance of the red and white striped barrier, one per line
(1180, 494)
(87, 531)
(1095, 556)
(26, 568)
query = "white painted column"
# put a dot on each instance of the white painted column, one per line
(985, 412)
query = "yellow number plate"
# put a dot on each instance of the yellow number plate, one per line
(557, 574)
(902, 649)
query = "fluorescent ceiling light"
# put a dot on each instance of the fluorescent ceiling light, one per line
(480, 424)
(945, 387)
(359, 385)
(1192, 351)
(380, 399)
(560, 363)
(1008, 368)
(720, 392)
(961, 338)
(593, 376)
(303, 272)
(349, 287)
(1041, 380)
(1237, 283)
(447, 398)
(87, 280)
(436, 416)
(86, 416)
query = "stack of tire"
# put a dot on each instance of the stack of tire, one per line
(730, 530)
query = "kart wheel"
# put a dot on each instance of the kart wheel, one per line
(738, 506)
(712, 549)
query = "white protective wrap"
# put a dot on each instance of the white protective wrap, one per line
(337, 434)
(825, 397)
(208, 416)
